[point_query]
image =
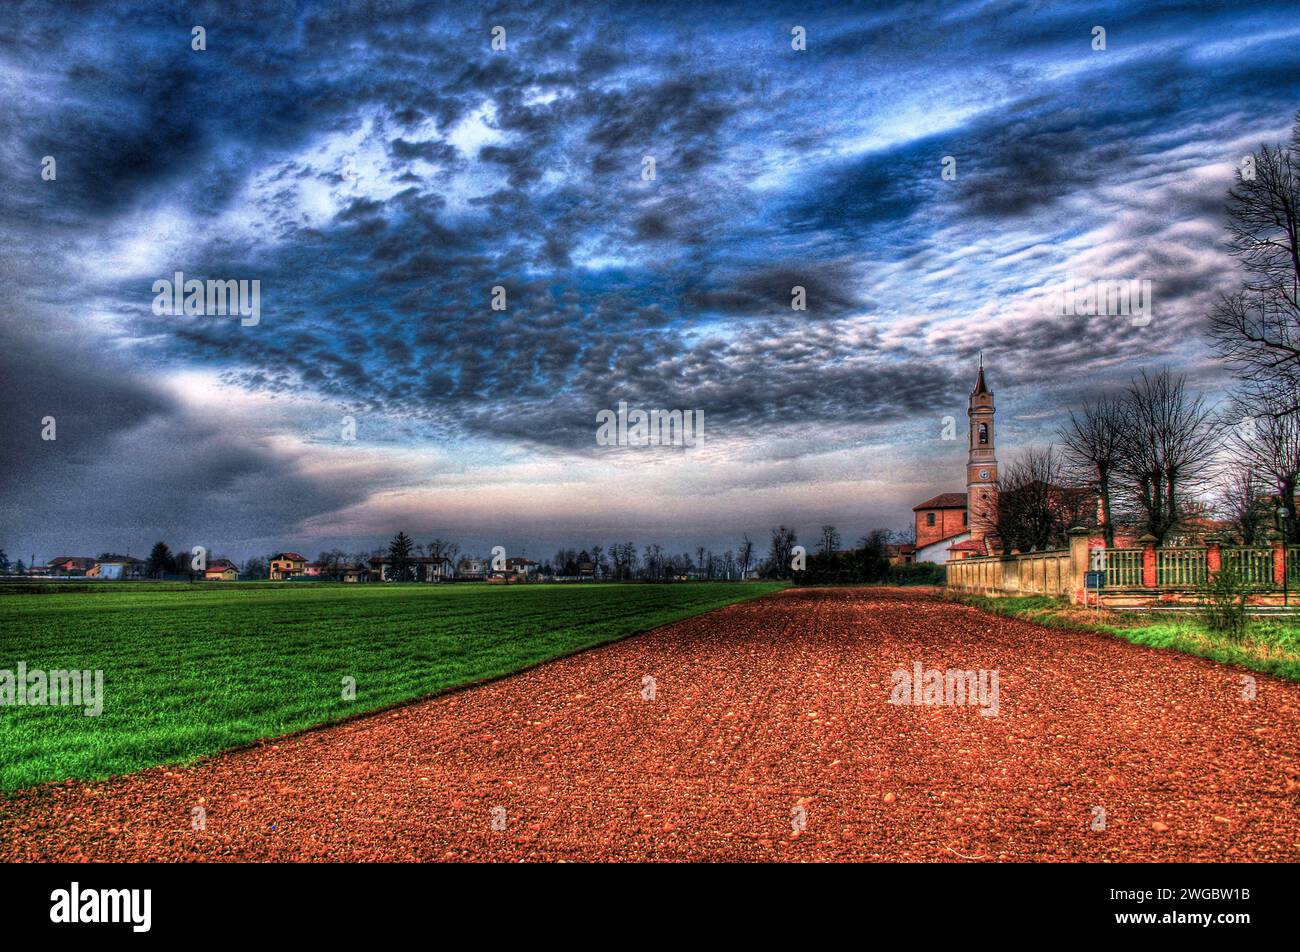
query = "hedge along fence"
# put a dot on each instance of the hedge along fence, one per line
(1129, 577)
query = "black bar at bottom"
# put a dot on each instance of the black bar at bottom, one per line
(334, 901)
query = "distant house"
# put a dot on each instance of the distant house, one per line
(313, 569)
(471, 568)
(521, 567)
(221, 570)
(117, 568)
(65, 565)
(901, 554)
(355, 573)
(287, 565)
(425, 568)
(586, 569)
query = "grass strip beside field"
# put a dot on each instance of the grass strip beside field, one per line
(192, 672)
(1270, 645)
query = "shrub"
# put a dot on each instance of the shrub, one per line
(844, 568)
(918, 573)
(1224, 613)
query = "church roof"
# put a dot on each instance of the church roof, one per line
(943, 501)
(980, 385)
(945, 543)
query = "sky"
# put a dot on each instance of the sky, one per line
(380, 168)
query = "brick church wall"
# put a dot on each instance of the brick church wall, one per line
(947, 523)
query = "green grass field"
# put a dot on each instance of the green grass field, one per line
(192, 670)
(1270, 645)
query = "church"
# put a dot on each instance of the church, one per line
(955, 525)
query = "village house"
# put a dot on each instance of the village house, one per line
(221, 570)
(354, 573)
(423, 568)
(471, 569)
(285, 565)
(117, 568)
(900, 553)
(69, 565)
(521, 567)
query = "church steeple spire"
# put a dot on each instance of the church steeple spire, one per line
(980, 385)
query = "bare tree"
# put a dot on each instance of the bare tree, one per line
(746, 556)
(1092, 442)
(1033, 507)
(653, 562)
(1257, 328)
(331, 563)
(443, 548)
(623, 555)
(1168, 451)
(565, 562)
(783, 542)
(1267, 446)
(875, 541)
(1244, 501)
(599, 563)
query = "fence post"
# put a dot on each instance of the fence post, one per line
(1149, 575)
(1279, 556)
(1077, 576)
(1213, 556)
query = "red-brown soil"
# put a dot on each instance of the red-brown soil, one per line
(760, 708)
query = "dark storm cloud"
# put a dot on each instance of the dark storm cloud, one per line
(127, 464)
(91, 404)
(523, 169)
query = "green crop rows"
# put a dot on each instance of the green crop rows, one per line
(193, 670)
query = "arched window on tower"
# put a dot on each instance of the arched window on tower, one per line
(984, 434)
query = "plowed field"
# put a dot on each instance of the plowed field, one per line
(766, 716)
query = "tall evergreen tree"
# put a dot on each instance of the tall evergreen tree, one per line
(399, 552)
(160, 560)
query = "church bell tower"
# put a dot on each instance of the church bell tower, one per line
(982, 464)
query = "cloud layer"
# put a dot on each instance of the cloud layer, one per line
(380, 169)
